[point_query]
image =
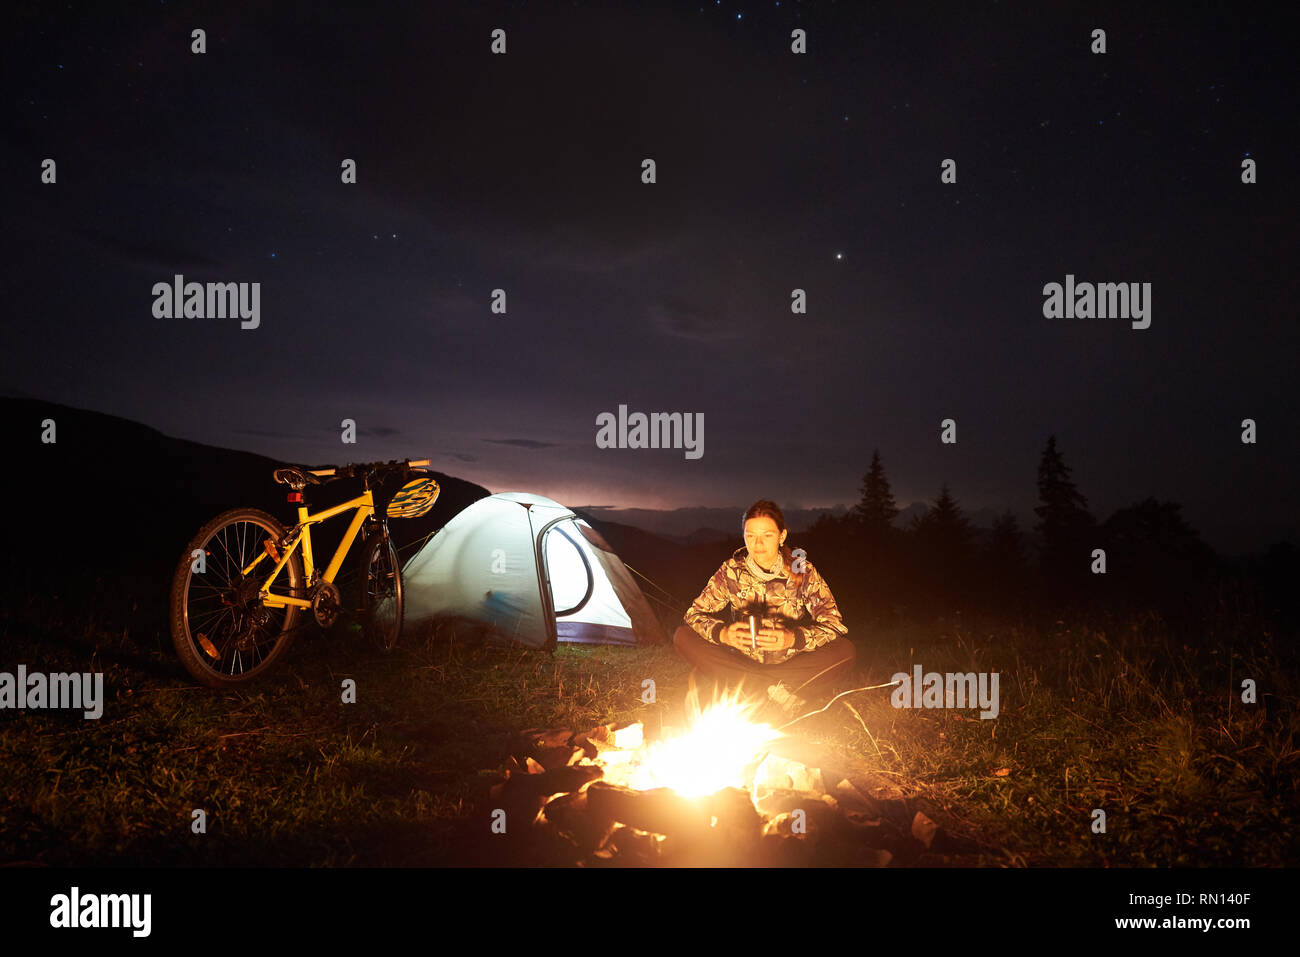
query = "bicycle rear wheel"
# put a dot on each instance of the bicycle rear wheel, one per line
(223, 633)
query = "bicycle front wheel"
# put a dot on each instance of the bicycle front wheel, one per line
(223, 633)
(381, 593)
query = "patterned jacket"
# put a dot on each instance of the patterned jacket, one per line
(734, 593)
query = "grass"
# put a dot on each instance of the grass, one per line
(1131, 718)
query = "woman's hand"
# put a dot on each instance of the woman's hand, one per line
(735, 635)
(775, 638)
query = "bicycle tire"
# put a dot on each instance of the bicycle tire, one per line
(381, 580)
(185, 620)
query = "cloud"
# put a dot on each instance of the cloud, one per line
(524, 443)
(377, 432)
(682, 321)
(273, 434)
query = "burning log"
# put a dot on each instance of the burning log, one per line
(566, 779)
(723, 791)
(540, 738)
(785, 851)
(569, 816)
(661, 810)
(519, 798)
(635, 846)
(558, 757)
(857, 807)
(783, 774)
(522, 796)
(774, 801)
(734, 818)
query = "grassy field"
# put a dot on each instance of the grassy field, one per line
(1127, 717)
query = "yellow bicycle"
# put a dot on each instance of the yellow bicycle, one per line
(234, 615)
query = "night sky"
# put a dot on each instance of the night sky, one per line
(775, 171)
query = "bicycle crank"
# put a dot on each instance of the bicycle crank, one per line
(326, 603)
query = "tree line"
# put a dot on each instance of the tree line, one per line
(1144, 555)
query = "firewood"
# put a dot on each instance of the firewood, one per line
(661, 810)
(774, 801)
(567, 815)
(566, 810)
(630, 735)
(776, 771)
(855, 804)
(519, 797)
(734, 818)
(566, 779)
(537, 738)
(558, 757)
(634, 846)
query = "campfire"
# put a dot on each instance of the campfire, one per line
(726, 790)
(721, 749)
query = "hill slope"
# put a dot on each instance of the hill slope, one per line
(114, 496)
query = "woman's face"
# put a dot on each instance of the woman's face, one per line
(763, 539)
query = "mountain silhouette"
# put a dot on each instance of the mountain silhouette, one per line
(111, 496)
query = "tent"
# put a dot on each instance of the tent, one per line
(531, 569)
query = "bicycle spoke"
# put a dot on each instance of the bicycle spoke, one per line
(227, 630)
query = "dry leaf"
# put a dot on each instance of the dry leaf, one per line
(1001, 772)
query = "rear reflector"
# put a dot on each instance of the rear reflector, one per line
(294, 497)
(208, 646)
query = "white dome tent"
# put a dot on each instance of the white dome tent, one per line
(531, 569)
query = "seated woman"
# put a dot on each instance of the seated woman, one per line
(798, 648)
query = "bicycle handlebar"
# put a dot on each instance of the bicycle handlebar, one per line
(362, 468)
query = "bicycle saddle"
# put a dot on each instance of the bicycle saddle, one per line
(295, 478)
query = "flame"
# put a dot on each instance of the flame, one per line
(720, 749)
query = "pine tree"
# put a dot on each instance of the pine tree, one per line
(1064, 522)
(945, 525)
(1006, 548)
(876, 511)
(1153, 549)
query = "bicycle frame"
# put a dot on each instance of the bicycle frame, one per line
(365, 507)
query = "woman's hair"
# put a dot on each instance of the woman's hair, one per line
(767, 509)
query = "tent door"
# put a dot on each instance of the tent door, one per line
(570, 588)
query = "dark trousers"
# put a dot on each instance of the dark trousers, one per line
(809, 674)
